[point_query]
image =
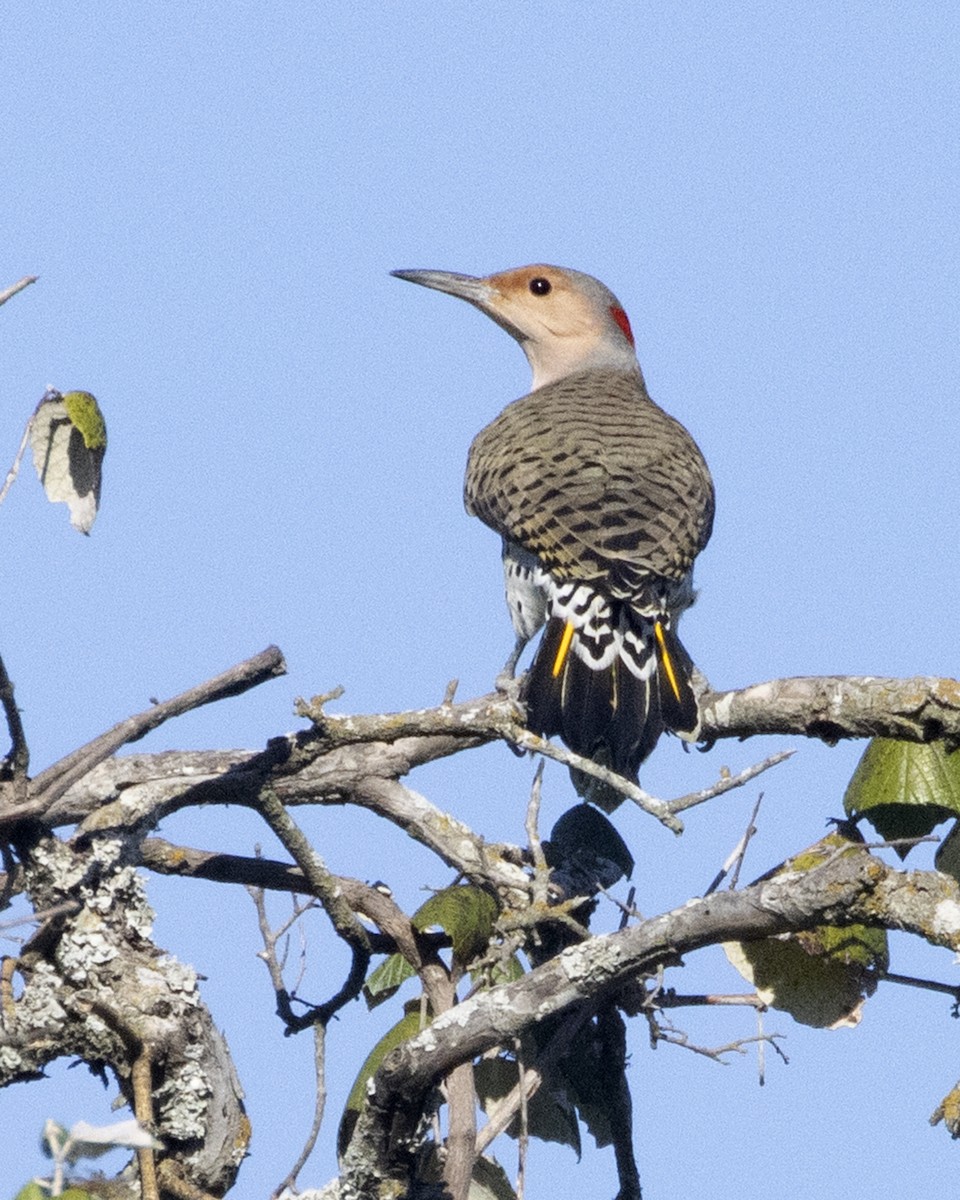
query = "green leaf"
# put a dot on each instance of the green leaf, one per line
(407, 1027)
(36, 1191)
(32, 1191)
(904, 789)
(466, 914)
(504, 971)
(68, 438)
(820, 978)
(550, 1115)
(85, 415)
(384, 980)
(489, 1181)
(823, 976)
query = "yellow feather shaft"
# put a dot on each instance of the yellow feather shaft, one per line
(564, 649)
(665, 659)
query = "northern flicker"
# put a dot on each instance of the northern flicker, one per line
(603, 502)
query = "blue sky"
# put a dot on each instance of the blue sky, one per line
(213, 194)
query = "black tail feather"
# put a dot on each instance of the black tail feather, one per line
(609, 715)
(678, 701)
(542, 691)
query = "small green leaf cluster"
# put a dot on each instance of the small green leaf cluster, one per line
(905, 790)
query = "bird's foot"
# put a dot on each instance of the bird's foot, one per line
(508, 684)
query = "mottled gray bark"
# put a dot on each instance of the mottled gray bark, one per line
(90, 983)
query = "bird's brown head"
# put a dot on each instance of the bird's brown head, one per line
(564, 320)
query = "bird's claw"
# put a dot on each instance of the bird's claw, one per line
(508, 684)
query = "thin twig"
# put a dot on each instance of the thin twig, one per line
(526, 740)
(272, 936)
(502, 1112)
(324, 886)
(736, 856)
(319, 1058)
(141, 1079)
(541, 872)
(523, 1142)
(728, 783)
(50, 784)
(12, 290)
(748, 835)
(676, 1000)
(532, 819)
(68, 907)
(676, 1037)
(18, 459)
(19, 751)
(930, 985)
(171, 1176)
(899, 843)
(628, 908)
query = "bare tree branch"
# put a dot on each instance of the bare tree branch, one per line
(12, 290)
(734, 860)
(324, 886)
(92, 985)
(136, 790)
(166, 858)
(333, 763)
(19, 757)
(676, 1037)
(52, 783)
(14, 470)
(833, 707)
(397, 934)
(728, 782)
(361, 761)
(850, 886)
(320, 1103)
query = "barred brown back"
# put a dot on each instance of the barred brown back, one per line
(606, 491)
(597, 481)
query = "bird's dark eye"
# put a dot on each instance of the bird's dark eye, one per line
(540, 286)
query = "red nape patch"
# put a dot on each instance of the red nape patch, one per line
(623, 321)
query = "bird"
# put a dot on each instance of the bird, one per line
(602, 502)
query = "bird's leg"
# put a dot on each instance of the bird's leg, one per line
(507, 681)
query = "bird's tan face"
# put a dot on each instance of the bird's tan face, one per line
(540, 303)
(557, 322)
(565, 321)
